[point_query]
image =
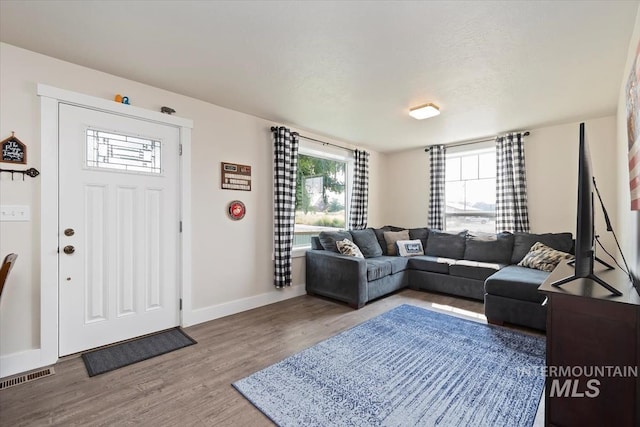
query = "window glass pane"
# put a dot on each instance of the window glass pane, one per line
(452, 169)
(481, 195)
(487, 163)
(469, 167)
(126, 153)
(455, 196)
(320, 197)
(471, 197)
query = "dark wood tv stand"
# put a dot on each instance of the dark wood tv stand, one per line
(596, 334)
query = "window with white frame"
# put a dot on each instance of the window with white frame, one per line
(470, 192)
(322, 185)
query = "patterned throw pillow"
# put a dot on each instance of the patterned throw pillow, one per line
(347, 247)
(542, 257)
(410, 247)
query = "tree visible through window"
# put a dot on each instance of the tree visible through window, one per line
(320, 197)
(470, 191)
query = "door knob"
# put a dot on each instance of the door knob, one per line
(69, 249)
(69, 232)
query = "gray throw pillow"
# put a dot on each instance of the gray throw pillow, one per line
(489, 247)
(328, 239)
(419, 234)
(380, 236)
(446, 245)
(523, 242)
(367, 242)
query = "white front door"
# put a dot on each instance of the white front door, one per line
(118, 228)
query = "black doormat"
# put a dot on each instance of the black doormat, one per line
(130, 352)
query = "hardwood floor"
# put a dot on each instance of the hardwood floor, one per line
(192, 386)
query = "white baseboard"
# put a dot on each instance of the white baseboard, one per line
(22, 361)
(206, 314)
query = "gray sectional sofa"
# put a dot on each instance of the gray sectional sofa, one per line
(481, 267)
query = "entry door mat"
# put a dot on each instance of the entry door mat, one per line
(117, 356)
(406, 367)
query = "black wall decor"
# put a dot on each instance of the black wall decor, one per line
(13, 150)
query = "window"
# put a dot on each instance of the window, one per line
(470, 191)
(106, 150)
(321, 194)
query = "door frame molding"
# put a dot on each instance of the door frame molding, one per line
(50, 98)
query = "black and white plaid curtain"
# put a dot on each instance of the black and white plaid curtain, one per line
(285, 165)
(437, 163)
(360, 193)
(511, 184)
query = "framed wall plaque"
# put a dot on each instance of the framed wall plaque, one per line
(13, 150)
(234, 176)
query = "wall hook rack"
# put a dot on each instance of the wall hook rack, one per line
(32, 172)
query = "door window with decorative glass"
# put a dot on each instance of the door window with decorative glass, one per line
(470, 191)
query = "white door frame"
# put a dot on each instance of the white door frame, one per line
(50, 97)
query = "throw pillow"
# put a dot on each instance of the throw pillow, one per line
(328, 239)
(367, 242)
(391, 237)
(409, 247)
(446, 245)
(380, 236)
(489, 247)
(542, 257)
(419, 233)
(347, 247)
(524, 241)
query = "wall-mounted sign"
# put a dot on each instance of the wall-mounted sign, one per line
(236, 210)
(235, 176)
(13, 150)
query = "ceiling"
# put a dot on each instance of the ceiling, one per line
(352, 69)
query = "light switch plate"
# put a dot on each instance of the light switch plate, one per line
(15, 213)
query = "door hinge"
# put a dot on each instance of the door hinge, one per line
(181, 226)
(181, 149)
(180, 303)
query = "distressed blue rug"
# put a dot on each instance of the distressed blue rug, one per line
(407, 367)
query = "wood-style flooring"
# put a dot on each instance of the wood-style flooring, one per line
(192, 386)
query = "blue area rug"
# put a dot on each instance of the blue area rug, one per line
(407, 367)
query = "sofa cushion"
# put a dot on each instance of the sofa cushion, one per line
(474, 269)
(493, 248)
(431, 263)
(377, 268)
(398, 263)
(523, 242)
(391, 237)
(517, 282)
(347, 247)
(446, 245)
(380, 236)
(367, 242)
(328, 239)
(542, 257)
(421, 234)
(409, 247)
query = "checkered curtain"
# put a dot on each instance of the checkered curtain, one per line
(360, 193)
(511, 184)
(285, 164)
(437, 162)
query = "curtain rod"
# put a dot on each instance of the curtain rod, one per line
(473, 141)
(274, 129)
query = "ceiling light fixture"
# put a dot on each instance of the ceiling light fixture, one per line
(424, 111)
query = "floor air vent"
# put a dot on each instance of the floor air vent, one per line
(21, 379)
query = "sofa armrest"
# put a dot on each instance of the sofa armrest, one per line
(337, 276)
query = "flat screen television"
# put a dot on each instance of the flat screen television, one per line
(585, 229)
